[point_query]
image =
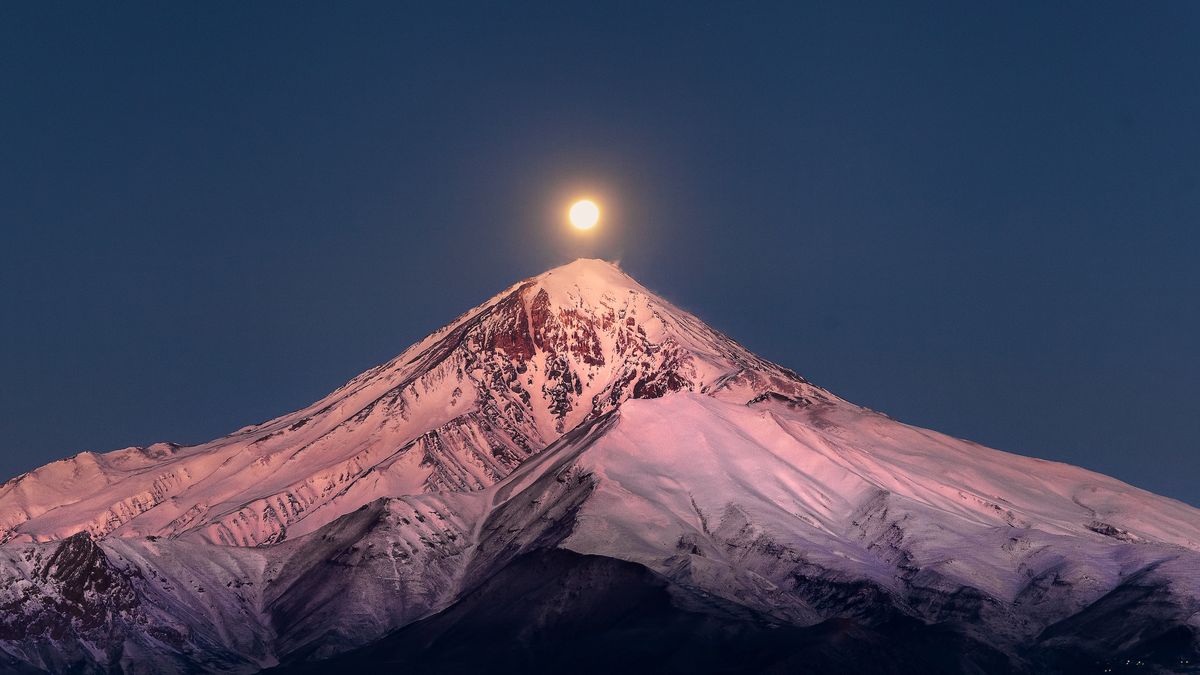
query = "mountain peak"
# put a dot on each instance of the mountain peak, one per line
(586, 267)
(586, 279)
(459, 410)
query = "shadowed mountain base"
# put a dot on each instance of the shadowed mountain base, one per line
(559, 611)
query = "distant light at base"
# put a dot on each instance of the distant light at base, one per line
(584, 214)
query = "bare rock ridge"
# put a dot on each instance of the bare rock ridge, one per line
(576, 466)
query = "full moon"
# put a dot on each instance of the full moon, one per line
(584, 214)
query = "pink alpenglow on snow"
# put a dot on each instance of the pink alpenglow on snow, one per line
(578, 413)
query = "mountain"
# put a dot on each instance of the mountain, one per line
(457, 411)
(577, 474)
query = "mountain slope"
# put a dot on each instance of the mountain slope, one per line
(804, 517)
(749, 500)
(599, 615)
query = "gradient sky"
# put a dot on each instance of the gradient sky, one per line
(976, 217)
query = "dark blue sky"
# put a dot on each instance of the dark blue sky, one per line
(977, 217)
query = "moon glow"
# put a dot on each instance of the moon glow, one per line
(584, 214)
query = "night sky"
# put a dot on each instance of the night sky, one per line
(982, 218)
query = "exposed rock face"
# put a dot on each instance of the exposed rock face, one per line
(83, 593)
(577, 474)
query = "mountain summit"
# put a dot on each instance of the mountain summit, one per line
(578, 469)
(457, 411)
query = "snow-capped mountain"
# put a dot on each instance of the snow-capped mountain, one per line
(457, 411)
(576, 464)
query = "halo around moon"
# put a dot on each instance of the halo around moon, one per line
(584, 214)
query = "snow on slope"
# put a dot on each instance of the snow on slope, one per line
(810, 512)
(160, 605)
(457, 411)
(832, 475)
